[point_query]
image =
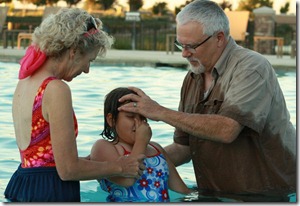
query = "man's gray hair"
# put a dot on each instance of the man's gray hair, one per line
(207, 13)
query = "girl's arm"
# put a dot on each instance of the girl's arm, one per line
(175, 182)
(142, 138)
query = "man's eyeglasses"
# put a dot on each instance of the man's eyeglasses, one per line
(91, 24)
(190, 48)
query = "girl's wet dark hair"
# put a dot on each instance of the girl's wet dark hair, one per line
(111, 105)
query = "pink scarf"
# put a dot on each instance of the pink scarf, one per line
(32, 61)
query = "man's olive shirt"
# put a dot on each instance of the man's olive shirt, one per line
(263, 156)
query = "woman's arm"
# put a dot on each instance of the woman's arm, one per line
(58, 111)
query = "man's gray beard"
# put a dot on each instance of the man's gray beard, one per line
(197, 70)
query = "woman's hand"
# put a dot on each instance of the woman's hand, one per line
(132, 166)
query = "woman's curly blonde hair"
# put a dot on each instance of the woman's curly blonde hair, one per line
(66, 29)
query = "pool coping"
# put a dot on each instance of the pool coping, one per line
(145, 58)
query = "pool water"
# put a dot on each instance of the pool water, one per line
(88, 91)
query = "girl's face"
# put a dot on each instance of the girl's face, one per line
(126, 126)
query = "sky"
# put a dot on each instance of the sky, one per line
(176, 3)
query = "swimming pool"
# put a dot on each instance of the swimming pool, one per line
(88, 91)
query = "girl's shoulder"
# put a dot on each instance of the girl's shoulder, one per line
(102, 144)
(103, 150)
(103, 141)
(109, 147)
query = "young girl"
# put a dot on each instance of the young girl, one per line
(128, 133)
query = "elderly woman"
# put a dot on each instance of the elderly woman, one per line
(44, 121)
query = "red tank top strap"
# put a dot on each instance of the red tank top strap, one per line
(39, 127)
(128, 153)
(125, 151)
(158, 151)
(154, 147)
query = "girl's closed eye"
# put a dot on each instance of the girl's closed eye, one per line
(130, 115)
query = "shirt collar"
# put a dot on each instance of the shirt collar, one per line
(222, 61)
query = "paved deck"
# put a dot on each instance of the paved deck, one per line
(144, 58)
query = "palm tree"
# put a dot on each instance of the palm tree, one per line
(135, 5)
(160, 8)
(226, 4)
(106, 4)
